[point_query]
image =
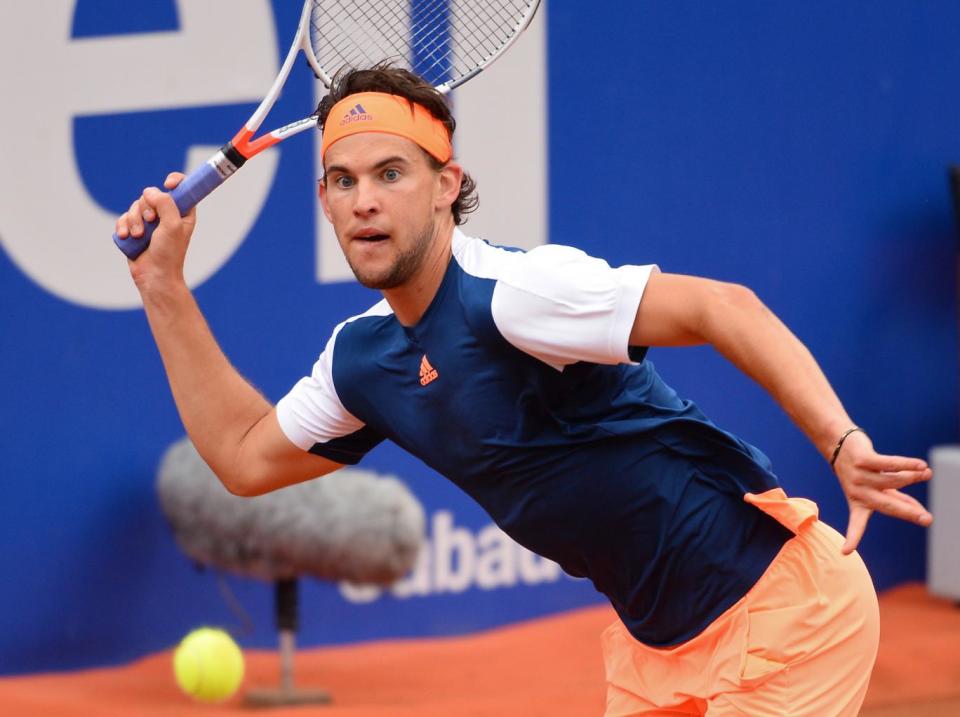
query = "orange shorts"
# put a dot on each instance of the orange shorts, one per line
(802, 641)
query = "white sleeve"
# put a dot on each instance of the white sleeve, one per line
(561, 306)
(311, 412)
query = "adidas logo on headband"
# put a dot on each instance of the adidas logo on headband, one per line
(389, 114)
(356, 114)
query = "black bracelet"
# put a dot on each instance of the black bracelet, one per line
(836, 451)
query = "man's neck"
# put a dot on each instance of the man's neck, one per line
(411, 300)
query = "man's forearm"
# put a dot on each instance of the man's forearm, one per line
(217, 406)
(749, 335)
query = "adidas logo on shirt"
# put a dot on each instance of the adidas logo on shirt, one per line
(356, 114)
(427, 372)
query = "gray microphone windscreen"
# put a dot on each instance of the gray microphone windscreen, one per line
(352, 525)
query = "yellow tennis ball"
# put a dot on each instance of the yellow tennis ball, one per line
(208, 665)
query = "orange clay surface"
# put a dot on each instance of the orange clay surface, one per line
(550, 666)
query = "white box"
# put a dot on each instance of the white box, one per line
(943, 537)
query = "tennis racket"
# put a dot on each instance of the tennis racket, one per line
(446, 42)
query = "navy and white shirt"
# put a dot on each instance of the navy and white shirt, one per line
(519, 385)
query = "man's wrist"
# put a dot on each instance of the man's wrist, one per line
(829, 434)
(163, 295)
(840, 441)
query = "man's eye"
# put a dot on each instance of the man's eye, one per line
(391, 175)
(343, 182)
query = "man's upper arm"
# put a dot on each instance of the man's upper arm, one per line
(562, 306)
(269, 460)
(674, 310)
(310, 432)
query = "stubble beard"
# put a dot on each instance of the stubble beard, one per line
(404, 266)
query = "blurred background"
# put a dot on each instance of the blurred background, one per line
(801, 149)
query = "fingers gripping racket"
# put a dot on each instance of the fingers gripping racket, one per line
(446, 42)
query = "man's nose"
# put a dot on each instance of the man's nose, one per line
(366, 201)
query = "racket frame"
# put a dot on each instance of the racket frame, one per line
(243, 141)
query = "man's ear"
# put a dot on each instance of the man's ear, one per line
(322, 191)
(451, 177)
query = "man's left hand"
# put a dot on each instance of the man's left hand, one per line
(871, 482)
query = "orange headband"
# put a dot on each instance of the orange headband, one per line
(391, 114)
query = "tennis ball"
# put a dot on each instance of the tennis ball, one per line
(208, 665)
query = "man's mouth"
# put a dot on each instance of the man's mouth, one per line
(370, 236)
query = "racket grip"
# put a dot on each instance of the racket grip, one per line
(186, 195)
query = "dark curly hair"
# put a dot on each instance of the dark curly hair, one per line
(397, 81)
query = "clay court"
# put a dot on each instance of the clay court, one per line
(544, 667)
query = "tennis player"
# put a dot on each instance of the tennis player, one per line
(522, 377)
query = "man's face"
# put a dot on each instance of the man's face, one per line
(383, 199)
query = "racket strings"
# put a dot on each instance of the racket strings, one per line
(428, 41)
(348, 40)
(425, 22)
(443, 41)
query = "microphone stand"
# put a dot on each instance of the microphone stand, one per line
(286, 604)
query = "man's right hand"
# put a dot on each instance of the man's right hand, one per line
(163, 261)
